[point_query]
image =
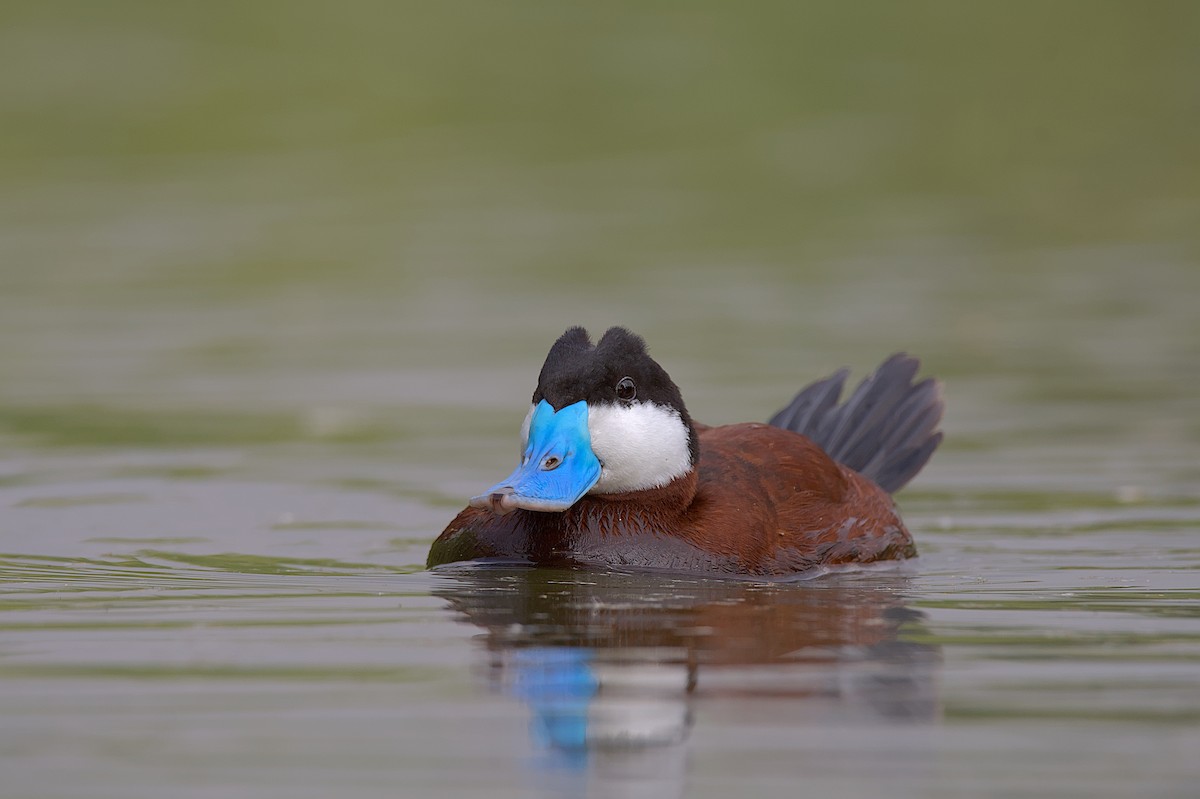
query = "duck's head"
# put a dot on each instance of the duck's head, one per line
(605, 419)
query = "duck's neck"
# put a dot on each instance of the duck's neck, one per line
(665, 502)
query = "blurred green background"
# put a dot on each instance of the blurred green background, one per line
(222, 221)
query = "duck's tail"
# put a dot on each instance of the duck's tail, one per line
(886, 430)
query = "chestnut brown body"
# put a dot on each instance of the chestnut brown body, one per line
(762, 501)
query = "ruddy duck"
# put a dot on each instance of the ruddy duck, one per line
(614, 472)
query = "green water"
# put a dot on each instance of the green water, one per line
(275, 283)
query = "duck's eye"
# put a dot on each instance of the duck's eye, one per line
(626, 390)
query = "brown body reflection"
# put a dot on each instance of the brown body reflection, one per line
(619, 660)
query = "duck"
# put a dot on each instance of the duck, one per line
(615, 474)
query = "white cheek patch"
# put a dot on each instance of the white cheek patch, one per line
(525, 431)
(640, 446)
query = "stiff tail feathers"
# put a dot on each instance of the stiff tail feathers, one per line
(886, 429)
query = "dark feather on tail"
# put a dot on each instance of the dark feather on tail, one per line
(886, 430)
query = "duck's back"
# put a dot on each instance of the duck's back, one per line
(783, 505)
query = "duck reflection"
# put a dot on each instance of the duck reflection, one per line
(612, 666)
